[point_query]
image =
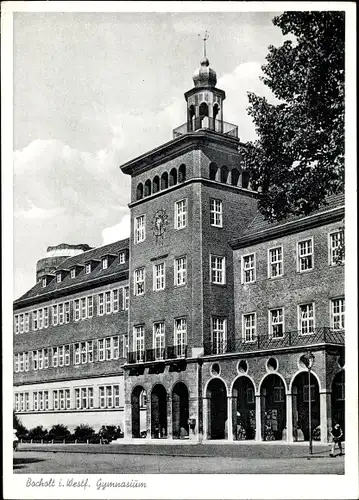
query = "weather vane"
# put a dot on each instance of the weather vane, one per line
(205, 38)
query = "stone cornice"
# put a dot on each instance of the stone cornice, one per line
(302, 224)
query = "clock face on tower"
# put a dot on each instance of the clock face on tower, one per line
(159, 223)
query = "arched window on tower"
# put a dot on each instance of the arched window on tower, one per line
(235, 177)
(148, 187)
(164, 180)
(216, 122)
(203, 115)
(191, 118)
(182, 173)
(213, 169)
(155, 184)
(173, 177)
(224, 174)
(139, 191)
(245, 179)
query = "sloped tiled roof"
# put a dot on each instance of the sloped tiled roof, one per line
(96, 253)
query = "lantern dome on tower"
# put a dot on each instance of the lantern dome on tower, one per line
(205, 76)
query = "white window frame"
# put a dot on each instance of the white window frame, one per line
(73, 273)
(89, 306)
(180, 214)
(306, 393)
(159, 276)
(43, 282)
(219, 345)
(58, 278)
(108, 302)
(278, 390)
(101, 350)
(46, 317)
(122, 257)
(27, 322)
(340, 314)
(88, 268)
(251, 270)
(331, 249)
(77, 353)
(307, 319)
(276, 263)
(17, 324)
(139, 341)
(252, 328)
(77, 309)
(126, 298)
(104, 263)
(272, 324)
(34, 320)
(100, 304)
(180, 271)
(139, 229)
(125, 345)
(216, 213)
(306, 255)
(159, 339)
(180, 336)
(137, 281)
(216, 271)
(115, 300)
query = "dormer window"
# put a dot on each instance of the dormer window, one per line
(58, 278)
(73, 272)
(44, 282)
(88, 268)
(122, 257)
(104, 263)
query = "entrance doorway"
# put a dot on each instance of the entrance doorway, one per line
(243, 408)
(137, 397)
(180, 413)
(217, 409)
(338, 400)
(158, 412)
(300, 403)
(273, 408)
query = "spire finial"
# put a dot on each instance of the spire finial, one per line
(205, 38)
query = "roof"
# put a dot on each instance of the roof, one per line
(260, 228)
(98, 274)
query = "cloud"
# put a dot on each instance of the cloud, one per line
(117, 232)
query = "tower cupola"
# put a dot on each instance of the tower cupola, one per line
(205, 76)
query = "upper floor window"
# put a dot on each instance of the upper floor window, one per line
(58, 277)
(159, 277)
(216, 214)
(305, 255)
(337, 314)
(139, 281)
(84, 398)
(139, 342)
(336, 248)
(218, 271)
(248, 268)
(278, 394)
(122, 257)
(249, 327)
(109, 396)
(159, 339)
(219, 335)
(126, 298)
(43, 282)
(306, 318)
(88, 268)
(276, 323)
(140, 230)
(275, 262)
(180, 214)
(180, 273)
(124, 346)
(73, 273)
(180, 337)
(105, 263)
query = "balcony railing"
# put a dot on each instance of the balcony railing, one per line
(289, 339)
(169, 352)
(207, 124)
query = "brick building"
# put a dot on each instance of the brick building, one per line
(222, 305)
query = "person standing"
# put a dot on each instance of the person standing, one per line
(337, 435)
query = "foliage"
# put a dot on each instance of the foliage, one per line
(20, 428)
(84, 431)
(38, 433)
(59, 431)
(298, 158)
(110, 432)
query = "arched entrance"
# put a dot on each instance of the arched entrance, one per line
(158, 412)
(138, 397)
(244, 409)
(300, 404)
(273, 408)
(217, 409)
(338, 400)
(180, 413)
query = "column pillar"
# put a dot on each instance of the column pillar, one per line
(148, 418)
(325, 415)
(229, 419)
(205, 419)
(289, 422)
(258, 418)
(128, 421)
(169, 417)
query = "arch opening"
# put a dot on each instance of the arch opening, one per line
(338, 400)
(191, 118)
(213, 169)
(203, 115)
(138, 411)
(173, 177)
(273, 408)
(235, 177)
(164, 180)
(156, 184)
(182, 173)
(217, 409)
(224, 174)
(300, 407)
(139, 191)
(244, 409)
(245, 179)
(158, 412)
(180, 411)
(148, 188)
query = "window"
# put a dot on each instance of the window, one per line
(115, 300)
(21, 323)
(140, 281)
(248, 268)
(55, 357)
(122, 257)
(55, 315)
(83, 308)
(41, 400)
(249, 327)
(109, 396)
(126, 298)
(338, 314)
(61, 356)
(216, 215)
(219, 335)
(27, 361)
(84, 398)
(306, 319)
(34, 320)
(77, 353)
(61, 314)
(73, 273)
(180, 214)
(67, 354)
(88, 268)
(140, 230)
(180, 271)
(115, 347)
(278, 394)
(43, 282)
(250, 395)
(180, 337)
(276, 323)
(336, 248)
(17, 402)
(159, 276)
(101, 350)
(100, 304)
(275, 267)
(139, 342)
(108, 348)
(105, 263)
(124, 346)
(35, 360)
(27, 320)
(305, 255)
(218, 270)
(108, 304)
(77, 309)
(46, 317)
(159, 340)
(35, 401)
(67, 312)
(306, 393)
(58, 278)
(17, 325)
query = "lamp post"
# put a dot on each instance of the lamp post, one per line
(308, 360)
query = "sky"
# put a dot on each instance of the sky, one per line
(94, 90)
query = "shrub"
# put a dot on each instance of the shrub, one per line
(58, 431)
(110, 432)
(38, 433)
(83, 431)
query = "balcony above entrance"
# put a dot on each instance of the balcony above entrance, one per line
(219, 126)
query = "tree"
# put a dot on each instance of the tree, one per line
(84, 431)
(59, 431)
(37, 433)
(298, 159)
(20, 428)
(110, 432)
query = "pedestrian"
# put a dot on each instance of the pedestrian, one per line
(337, 435)
(15, 439)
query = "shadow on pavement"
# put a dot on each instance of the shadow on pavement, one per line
(19, 463)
